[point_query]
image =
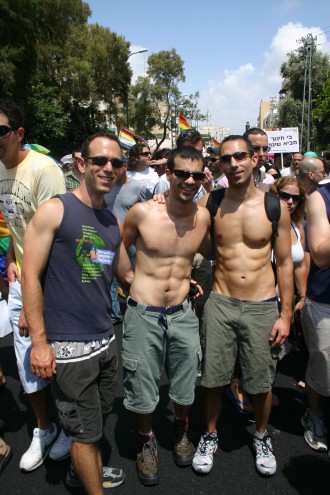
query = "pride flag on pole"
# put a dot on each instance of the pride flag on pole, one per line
(215, 143)
(127, 138)
(183, 123)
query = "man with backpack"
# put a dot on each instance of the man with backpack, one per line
(241, 315)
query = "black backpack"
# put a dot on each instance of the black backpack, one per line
(272, 208)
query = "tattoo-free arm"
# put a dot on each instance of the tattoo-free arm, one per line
(318, 229)
(38, 241)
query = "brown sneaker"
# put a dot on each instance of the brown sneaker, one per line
(184, 450)
(147, 462)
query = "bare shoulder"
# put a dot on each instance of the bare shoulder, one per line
(50, 213)
(203, 214)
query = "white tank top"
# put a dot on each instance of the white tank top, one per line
(297, 251)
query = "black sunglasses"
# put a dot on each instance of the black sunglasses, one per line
(4, 130)
(145, 153)
(191, 133)
(276, 176)
(213, 159)
(265, 149)
(103, 160)
(185, 174)
(239, 156)
(287, 196)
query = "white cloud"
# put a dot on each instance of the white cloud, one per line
(235, 97)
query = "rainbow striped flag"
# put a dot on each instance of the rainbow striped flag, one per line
(127, 138)
(183, 123)
(215, 143)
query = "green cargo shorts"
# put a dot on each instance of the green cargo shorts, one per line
(232, 326)
(150, 342)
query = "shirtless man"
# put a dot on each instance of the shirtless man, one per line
(160, 326)
(241, 314)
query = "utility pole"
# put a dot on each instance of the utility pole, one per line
(309, 45)
(310, 50)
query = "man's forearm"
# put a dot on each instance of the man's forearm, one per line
(285, 284)
(33, 309)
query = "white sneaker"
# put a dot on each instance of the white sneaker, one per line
(265, 459)
(61, 448)
(203, 458)
(315, 432)
(37, 452)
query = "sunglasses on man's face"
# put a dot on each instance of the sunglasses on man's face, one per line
(265, 149)
(145, 153)
(213, 159)
(239, 156)
(103, 160)
(185, 174)
(190, 134)
(286, 196)
(4, 130)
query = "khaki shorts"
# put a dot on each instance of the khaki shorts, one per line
(315, 321)
(232, 326)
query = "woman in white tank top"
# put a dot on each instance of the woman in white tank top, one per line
(292, 194)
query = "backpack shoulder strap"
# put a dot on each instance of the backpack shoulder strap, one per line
(273, 211)
(214, 201)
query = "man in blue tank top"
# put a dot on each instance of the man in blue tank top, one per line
(73, 249)
(316, 318)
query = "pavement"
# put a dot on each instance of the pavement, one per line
(300, 470)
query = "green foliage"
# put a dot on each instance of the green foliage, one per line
(321, 114)
(155, 100)
(293, 71)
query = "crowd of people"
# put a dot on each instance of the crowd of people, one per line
(213, 249)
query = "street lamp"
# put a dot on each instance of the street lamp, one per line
(144, 50)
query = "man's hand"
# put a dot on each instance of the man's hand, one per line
(22, 325)
(160, 198)
(195, 290)
(42, 360)
(280, 332)
(208, 181)
(12, 271)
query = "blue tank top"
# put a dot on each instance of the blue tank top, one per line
(78, 275)
(318, 283)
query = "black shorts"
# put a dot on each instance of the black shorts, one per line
(84, 389)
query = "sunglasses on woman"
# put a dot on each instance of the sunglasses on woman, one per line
(286, 196)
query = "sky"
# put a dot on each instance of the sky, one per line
(232, 50)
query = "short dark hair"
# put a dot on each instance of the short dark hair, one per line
(109, 135)
(190, 136)
(13, 113)
(236, 137)
(255, 131)
(161, 153)
(187, 152)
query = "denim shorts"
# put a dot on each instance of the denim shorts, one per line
(230, 327)
(315, 319)
(30, 382)
(152, 340)
(84, 389)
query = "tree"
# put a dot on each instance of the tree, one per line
(295, 75)
(321, 114)
(159, 92)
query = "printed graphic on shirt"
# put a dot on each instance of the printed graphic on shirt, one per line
(91, 255)
(12, 204)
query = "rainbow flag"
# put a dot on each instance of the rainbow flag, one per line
(215, 143)
(127, 138)
(183, 123)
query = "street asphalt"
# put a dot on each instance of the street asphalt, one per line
(300, 470)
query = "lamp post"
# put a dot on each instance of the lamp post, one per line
(144, 50)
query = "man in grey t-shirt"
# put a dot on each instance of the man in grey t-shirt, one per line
(123, 195)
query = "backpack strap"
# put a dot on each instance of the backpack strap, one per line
(273, 211)
(213, 202)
